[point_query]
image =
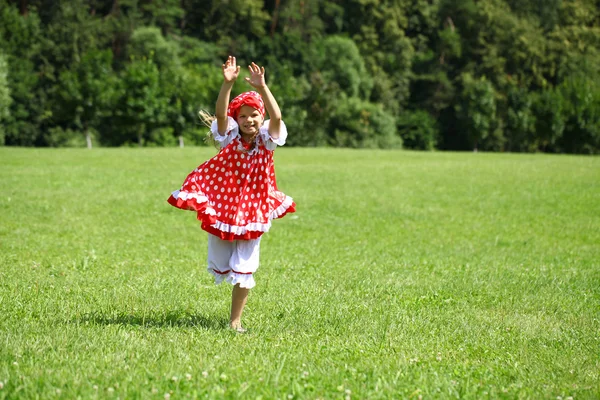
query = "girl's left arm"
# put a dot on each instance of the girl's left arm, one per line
(257, 80)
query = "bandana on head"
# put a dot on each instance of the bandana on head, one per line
(251, 99)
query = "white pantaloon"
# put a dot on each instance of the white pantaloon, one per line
(234, 262)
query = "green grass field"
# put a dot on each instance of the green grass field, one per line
(402, 275)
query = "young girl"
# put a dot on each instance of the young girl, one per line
(234, 193)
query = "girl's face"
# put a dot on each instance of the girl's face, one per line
(250, 120)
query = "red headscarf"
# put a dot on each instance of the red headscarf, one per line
(251, 99)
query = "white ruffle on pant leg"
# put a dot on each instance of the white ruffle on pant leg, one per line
(234, 262)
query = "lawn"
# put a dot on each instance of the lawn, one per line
(401, 275)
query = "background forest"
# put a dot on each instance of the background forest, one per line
(493, 75)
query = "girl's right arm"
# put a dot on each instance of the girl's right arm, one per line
(230, 74)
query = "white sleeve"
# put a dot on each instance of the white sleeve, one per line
(270, 143)
(230, 133)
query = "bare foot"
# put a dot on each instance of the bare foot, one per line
(238, 328)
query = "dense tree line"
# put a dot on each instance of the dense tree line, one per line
(496, 75)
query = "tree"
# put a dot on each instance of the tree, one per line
(232, 24)
(418, 130)
(358, 123)
(581, 114)
(549, 111)
(166, 14)
(87, 91)
(141, 106)
(20, 38)
(520, 121)
(5, 99)
(348, 72)
(476, 110)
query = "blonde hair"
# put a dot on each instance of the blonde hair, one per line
(207, 119)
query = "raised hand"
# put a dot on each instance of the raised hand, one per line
(257, 76)
(230, 70)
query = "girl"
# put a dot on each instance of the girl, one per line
(234, 193)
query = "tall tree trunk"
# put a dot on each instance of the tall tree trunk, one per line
(116, 40)
(183, 21)
(180, 141)
(115, 7)
(23, 7)
(141, 130)
(88, 138)
(275, 17)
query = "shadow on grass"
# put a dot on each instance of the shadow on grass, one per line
(169, 319)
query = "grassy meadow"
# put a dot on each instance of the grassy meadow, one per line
(403, 275)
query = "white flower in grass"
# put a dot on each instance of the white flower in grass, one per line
(174, 379)
(439, 357)
(223, 377)
(204, 374)
(1, 385)
(110, 390)
(188, 376)
(154, 390)
(95, 387)
(167, 396)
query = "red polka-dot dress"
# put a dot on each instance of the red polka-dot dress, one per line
(235, 193)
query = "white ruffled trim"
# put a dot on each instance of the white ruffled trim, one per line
(241, 230)
(231, 133)
(279, 211)
(255, 226)
(270, 143)
(199, 198)
(245, 280)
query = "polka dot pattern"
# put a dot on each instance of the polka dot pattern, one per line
(241, 189)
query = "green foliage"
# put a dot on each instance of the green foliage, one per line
(581, 115)
(195, 136)
(476, 111)
(141, 106)
(549, 109)
(59, 137)
(71, 32)
(520, 121)
(418, 130)
(165, 14)
(400, 55)
(5, 99)
(349, 71)
(148, 42)
(291, 93)
(231, 25)
(357, 123)
(20, 40)
(87, 91)
(378, 28)
(163, 136)
(545, 12)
